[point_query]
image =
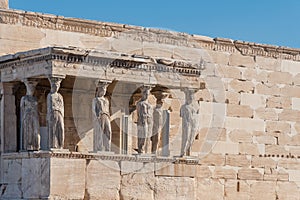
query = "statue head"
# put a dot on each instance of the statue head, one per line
(30, 86)
(189, 96)
(145, 92)
(159, 105)
(101, 89)
(55, 84)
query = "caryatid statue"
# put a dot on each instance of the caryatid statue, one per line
(30, 127)
(101, 114)
(189, 112)
(157, 120)
(144, 120)
(157, 127)
(55, 115)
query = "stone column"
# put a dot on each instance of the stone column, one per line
(158, 122)
(124, 138)
(165, 134)
(3, 4)
(1, 125)
(189, 112)
(55, 115)
(29, 119)
(8, 119)
(101, 114)
(144, 121)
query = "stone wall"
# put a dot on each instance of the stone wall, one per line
(248, 145)
(73, 176)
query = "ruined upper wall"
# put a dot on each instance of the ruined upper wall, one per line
(4, 4)
(249, 135)
(140, 34)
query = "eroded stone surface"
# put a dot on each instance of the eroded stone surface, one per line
(138, 186)
(67, 178)
(175, 188)
(103, 179)
(4, 4)
(249, 119)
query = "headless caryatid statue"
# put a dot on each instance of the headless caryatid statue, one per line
(30, 127)
(157, 128)
(102, 126)
(144, 121)
(55, 115)
(190, 122)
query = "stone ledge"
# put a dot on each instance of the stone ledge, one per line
(92, 156)
(190, 160)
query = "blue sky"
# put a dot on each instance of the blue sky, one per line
(275, 22)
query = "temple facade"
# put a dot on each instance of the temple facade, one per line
(94, 110)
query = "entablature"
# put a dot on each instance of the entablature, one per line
(100, 64)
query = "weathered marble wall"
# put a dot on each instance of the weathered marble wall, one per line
(46, 176)
(250, 132)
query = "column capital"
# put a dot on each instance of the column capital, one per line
(30, 82)
(102, 82)
(160, 95)
(55, 78)
(55, 82)
(189, 90)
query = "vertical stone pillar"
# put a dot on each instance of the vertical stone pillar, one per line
(55, 115)
(124, 138)
(1, 125)
(189, 112)
(160, 124)
(3, 4)
(144, 120)
(8, 119)
(29, 119)
(165, 133)
(126, 125)
(101, 113)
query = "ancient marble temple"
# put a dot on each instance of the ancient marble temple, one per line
(94, 110)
